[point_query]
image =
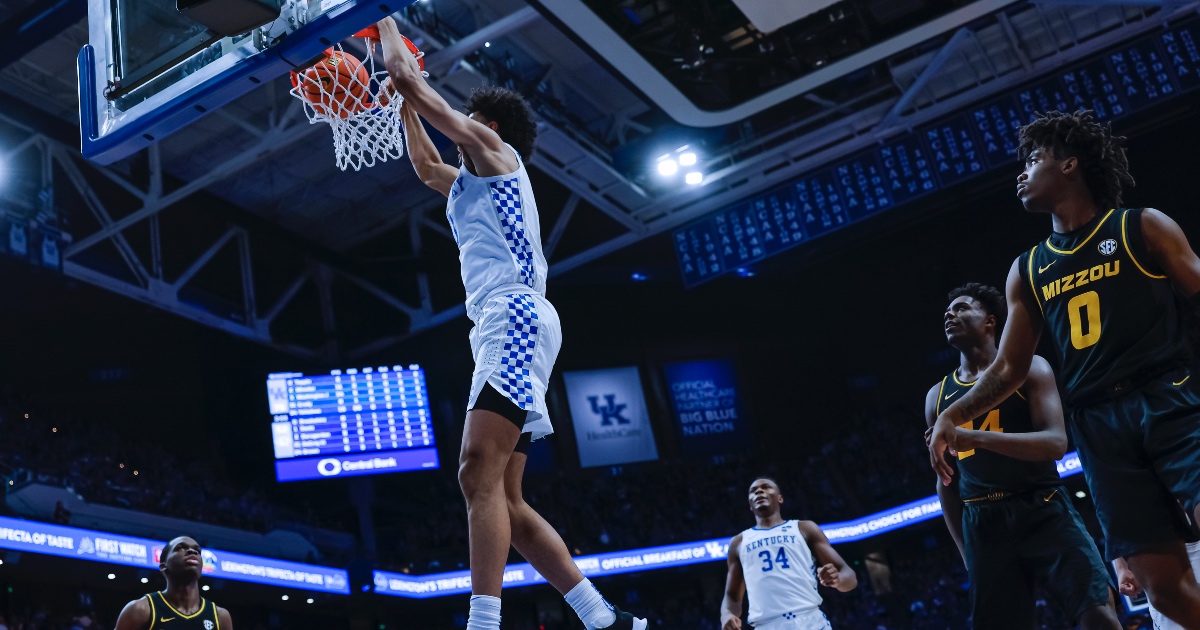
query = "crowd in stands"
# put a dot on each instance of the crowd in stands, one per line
(104, 467)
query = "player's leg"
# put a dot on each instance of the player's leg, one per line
(532, 536)
(542, 547)
(1001, 597)
(1061, 554)
(488, 442)
(1171, 408)
(1161, 622)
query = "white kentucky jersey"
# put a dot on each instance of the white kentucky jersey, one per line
(495, 223)
(781, 578)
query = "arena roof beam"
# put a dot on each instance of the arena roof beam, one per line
(442, 60)
(33, 25)
(932, 70)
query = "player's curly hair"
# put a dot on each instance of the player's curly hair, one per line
(1078, 135)
(511, 113)
(990, 297)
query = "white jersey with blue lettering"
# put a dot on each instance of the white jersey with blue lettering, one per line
(781, 577)
(517, 335)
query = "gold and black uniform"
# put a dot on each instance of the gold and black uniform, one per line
(1124, 369)
(1020, 531)
(983, 472)
(164, 617)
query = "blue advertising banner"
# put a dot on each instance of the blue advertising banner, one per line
(667, 556)
(704, 397)
(71, 542)
(609, 413)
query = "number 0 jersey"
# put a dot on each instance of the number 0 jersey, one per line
(781, 577)
(1110, 312)
(982, 471)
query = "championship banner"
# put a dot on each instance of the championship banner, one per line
(609, 413)
(84, 544)
(707, 412)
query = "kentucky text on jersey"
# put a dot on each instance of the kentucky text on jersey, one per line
(1076, 280)
(771, 540)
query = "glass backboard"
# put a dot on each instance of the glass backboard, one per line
(148, 70)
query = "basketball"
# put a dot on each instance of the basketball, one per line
(336, 85)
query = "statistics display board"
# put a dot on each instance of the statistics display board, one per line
(86, 544)
(935, 157)
(350, 422)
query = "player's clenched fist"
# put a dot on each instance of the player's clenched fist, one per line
(829, 576)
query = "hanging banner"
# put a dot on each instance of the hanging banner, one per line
(707, 410)
(609, 413)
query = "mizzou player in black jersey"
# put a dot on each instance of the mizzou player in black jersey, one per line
(1008, 512)
(1104, 286)
(180, 606)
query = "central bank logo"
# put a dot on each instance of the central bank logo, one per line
(611, 411)
(329, 467)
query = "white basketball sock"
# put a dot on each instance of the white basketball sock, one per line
(589, 604)
(485, 613)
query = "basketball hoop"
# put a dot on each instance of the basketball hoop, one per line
(357, 102)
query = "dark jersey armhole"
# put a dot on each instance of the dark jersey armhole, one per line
(1137, 242)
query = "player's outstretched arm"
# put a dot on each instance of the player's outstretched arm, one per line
(1047, 440)
(481, 142)
(947, 494)
(135, 615)
(224, 621)
(424, 156)
(1172, 253)
(735, 588)
(1000, 380)
(833, 571)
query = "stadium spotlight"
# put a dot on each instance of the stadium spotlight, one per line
(112, 576)
(695, 178)
(667, 167)
(638, 277)
(1, 561)
(1081, 494)
(687, 159)
(745, 272)
(285, 598)
(310, 600)
(487, 44)
(145, 580)
(204, 588)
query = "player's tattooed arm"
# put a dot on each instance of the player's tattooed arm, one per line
(832, 569)
(947, 494)
(1047, 440)
(424, 156)
(735, 588)
(1172, 253)
(135, 615)
(483, 143)
(999, 381)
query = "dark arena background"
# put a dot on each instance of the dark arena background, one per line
(753, 211)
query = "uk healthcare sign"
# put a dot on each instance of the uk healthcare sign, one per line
(707, 410)
(71, 542)
(609, 413)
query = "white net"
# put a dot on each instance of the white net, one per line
(357, 103)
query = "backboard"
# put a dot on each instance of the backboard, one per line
(148, 71)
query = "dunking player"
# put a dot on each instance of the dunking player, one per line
(1008, 513)
(773, 562)
(1104, 286)
(180, 606)
(516, 337)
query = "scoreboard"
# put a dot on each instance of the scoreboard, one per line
(936, 156)
(350, 422)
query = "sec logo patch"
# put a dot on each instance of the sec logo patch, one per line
(1108, 246)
